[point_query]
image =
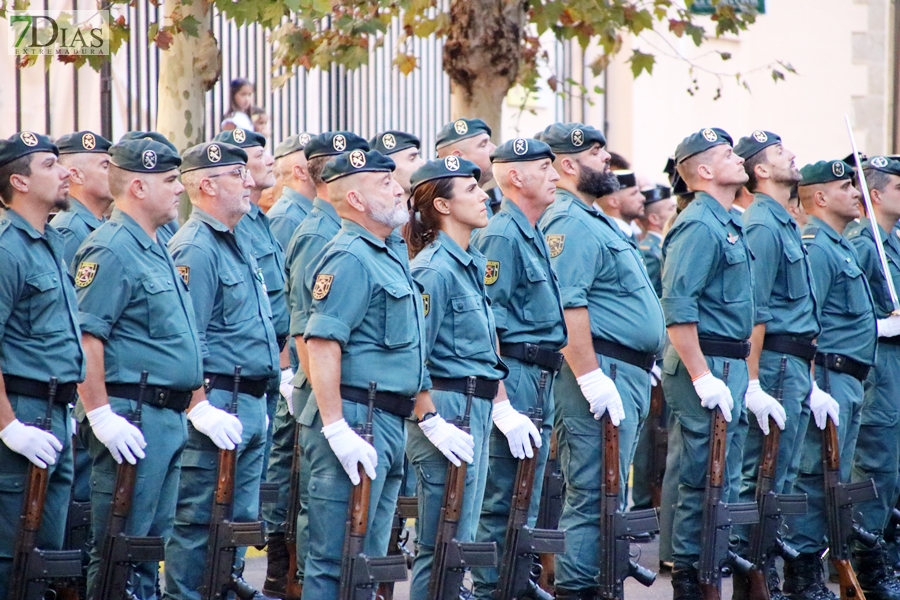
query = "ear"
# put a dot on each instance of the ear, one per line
(300, 172)
(875, 196)
(76, 175)
(515, 178)
(441, 205)
(138, 188)
(206, 186)
(456, 152)
(762, 171)
(705, 172)
(567, 166)
(819, 199)
(19, 183)
(355, 200)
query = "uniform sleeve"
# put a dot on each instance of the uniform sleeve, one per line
(822, 272)
(282, 228)
(502, 256)
(341, 293)
(10, 287)
(71, 243)
(691, 252)
(766, 248)
(436, 287)
(199, 269)
(577, 262)
(306, 250)
(653, 264)
(868, 260)
(102, 300)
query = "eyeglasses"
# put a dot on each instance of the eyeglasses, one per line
(239, 172)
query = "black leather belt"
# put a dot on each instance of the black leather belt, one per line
(533, 355)
(804, 348)
(644, 360)
(484, 388)
(396, 404)
(160, 397)
(65, 392)
(843, 364)
(281, 340)
(725, 348)
(253, 387)
(890, 341)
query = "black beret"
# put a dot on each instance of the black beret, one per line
(357, 161)
(850, 159)
(883, 164)
(82, 142)
(332, 143)
(756, 142)
(144, 156)
(679, 187)
(212, 154)
(656, 193)
(242, 138)
(825, 171)
(460, 129)
(701, 141)
(295, 143)
(392, 141)
(450, 166)
(24, 143)
(153, 135)
(626, 179)
(570, 138)
(521, 150)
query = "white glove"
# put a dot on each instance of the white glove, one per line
(888, 327)
(223, 428)
(655, 375)
(39, 446)
(518, 429)
(123, 439)
(822, 405)
(453, 442)
(602, 395)
(286, 387)
(764, 406)
(714, 393)
(351, 450)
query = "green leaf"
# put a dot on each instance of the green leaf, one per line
(641, 62)
(777, 75)
(190, 25)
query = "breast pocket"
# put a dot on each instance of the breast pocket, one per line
(736, 276)
(46, 305)
(539, 301)
(795, 272)
(399, 315)
(164, 312)
(628, 271)
(237, 303)
(854, 290)
(470, 332)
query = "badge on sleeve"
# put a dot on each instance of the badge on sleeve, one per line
(185, 273)
(491, 272)
(426, 303)
(322, 286)
(556, 242)
(86, 273)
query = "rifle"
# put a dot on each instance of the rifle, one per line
(616, 526)
(550, 510)
(293, 589)
(839, 500)
(225, 536)
(32, 567)
(517, 568)
(718, 517)
(121, 550)
(659, 442)
(451, 557)
(361, 573)
(764, 537)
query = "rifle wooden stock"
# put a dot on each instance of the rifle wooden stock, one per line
(549, 511)
(293, 589)
(850, 587)
(659, 443)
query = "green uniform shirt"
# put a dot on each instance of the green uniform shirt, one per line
(521, 284)
(364, 297)
(137, 303)
(286, 215)
(270, 261)
(165, 233)
(460, 334)
(601, 270)
(74, 225)
(844, 301)
(782, 284)
(651, 252)
(318, 228)
(231, 310)
(39, 333)
(862, 240)
(707, 275)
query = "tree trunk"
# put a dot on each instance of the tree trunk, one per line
(481, 56)
(187, 70)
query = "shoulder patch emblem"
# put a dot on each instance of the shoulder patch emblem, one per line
(185, 273)
(556, 243)
(491, 272)
(322, 287)
(426, 303)
(86, 273)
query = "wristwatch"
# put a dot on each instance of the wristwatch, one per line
(428, 415)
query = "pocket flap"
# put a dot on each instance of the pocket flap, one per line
(466, 303)
(735, 256)
(232, 277)
(155, 285)
(397, 289)
(43, 281)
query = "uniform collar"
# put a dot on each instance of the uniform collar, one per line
(591, 210)
(624, 227)
(132, 227)
(518, 216)
(19, 221)
(204, 217)
(717, 209)
(84, 212)
(828, 229)
(454, 249)
(360, 231)
(777, 210)
(255, 212)
(293, 196)
(327, 208)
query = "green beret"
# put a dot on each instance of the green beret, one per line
(521, 150)
(144, 156)
(153, 135)
(883, 164)
(332, 143)
(212, 154)
(82, 142)
(701, 141)
(357, 161)
(656, 193)
(756, 142)
(450, 166)
(24, 143)
(392, 141)
(242, 138)
(626, 179)
(570, 138)
(295, 143)
(460, 129)
(825, 171)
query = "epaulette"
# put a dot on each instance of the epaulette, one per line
(809, 233)
(63, 219)
(4, 225)
(105, 233)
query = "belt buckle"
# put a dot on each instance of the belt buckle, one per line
(531, 352)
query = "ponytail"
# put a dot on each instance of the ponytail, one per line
(424, 219)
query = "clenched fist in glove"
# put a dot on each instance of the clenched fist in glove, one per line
(351, 450)
(123, 439)
(764, 406)
(222, 427)
(39, 446)
(453, 442)
(714, 394)
(518, 429)
(822, 406)
(601, 393)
